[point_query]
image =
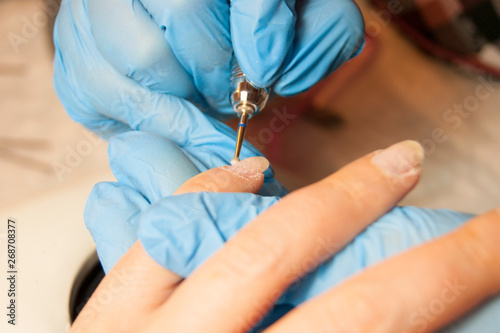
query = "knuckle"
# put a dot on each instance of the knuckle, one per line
(354, 192)
(256, 255)
(203, 186)
(360, 311)
(478, 251)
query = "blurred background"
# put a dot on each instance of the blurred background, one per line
(40, 147)
(410, 82)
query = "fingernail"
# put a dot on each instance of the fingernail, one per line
(250, 167)
(400, 158)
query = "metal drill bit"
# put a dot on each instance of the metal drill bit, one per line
(242, 126)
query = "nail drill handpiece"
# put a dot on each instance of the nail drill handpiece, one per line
(247, 100)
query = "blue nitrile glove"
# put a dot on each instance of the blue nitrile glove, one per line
(118, 63)
(148, 167)
(181, 232)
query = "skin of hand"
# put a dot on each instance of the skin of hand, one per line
(120, 65)
(233, 289)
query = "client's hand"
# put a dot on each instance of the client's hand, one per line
(420, 290)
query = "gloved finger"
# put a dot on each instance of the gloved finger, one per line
(133, 44)
(327, 34)
(198, 33)
(396, 231)
(149, 163)
(109, 93)
(341, 205)
(76, 108)
(106, 94)
(71, 64)
(453, 274)
(204, 221)
(262, 33)
(111, 216)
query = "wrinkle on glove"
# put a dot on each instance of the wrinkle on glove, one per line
(182, 231)
(263, 36)
(317, 52)
(154, 166)
(107, 203)
(130, 41)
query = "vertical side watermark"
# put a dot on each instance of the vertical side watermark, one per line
(12, 263)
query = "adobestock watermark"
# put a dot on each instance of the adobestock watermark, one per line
(140, 102)
(380, 17)
(325, 248)
(137, 100)
(277, 124)
(75, 155)
(116, 282)
(453, 117)
(424, 315)
(31, 26)
(376, 20)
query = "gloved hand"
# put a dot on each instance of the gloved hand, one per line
(181, 232)
(148, 167)
(121, 64)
